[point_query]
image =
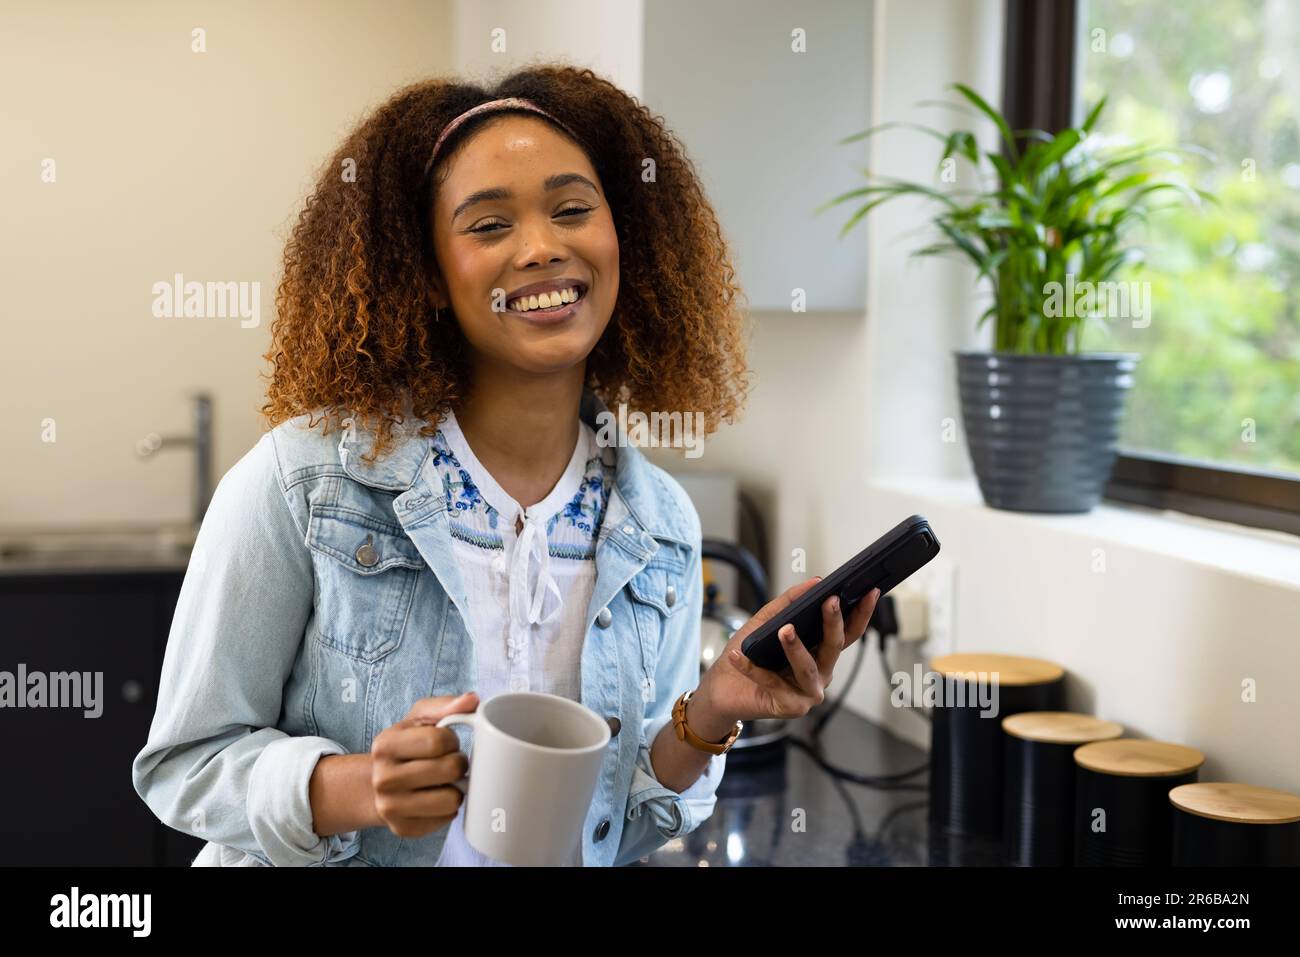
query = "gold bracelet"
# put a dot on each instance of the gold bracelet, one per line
(684, 733)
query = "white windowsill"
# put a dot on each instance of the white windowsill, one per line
(1266, 556)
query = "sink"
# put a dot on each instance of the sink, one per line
(110, 549)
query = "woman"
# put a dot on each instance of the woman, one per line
(475, 275)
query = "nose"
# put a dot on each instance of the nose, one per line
(539, 242)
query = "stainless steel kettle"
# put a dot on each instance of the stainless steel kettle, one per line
(720, 622)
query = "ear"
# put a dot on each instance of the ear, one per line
(435, 292)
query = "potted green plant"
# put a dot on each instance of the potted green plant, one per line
(1048, 227)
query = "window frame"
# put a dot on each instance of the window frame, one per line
(1041, 72)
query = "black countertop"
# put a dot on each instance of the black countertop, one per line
(778, 807)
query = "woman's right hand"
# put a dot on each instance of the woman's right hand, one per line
(413, 765)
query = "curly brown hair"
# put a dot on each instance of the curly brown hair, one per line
(354, 333)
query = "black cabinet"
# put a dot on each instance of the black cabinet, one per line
(68, 796)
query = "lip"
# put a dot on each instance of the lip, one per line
(538, 318)
(550, 285)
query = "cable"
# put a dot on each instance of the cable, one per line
(834, 706)
(885, 622)
(883, 783)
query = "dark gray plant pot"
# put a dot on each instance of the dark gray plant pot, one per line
(1042, 429)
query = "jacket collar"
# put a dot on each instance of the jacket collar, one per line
(642, 492)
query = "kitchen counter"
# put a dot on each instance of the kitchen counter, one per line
(756, 824)
(87, 552)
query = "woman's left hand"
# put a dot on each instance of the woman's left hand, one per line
(734, 688)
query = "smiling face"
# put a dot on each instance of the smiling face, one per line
(521, 205)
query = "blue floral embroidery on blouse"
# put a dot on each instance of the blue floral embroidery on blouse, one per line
(441, 453)
(464, 495)
(578, 509)
(584, 511)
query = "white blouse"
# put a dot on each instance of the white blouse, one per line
(527, 591)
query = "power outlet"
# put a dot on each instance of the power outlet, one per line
(910, 608)
(938, 582)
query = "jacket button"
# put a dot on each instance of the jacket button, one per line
(366, 553)
(670, 596)
(604, 617)
(602, 829)
(614, 725)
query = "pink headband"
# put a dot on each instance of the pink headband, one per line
(491, 106)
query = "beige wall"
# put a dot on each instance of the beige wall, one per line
(167, 161)
(170, 161)
(605, 36)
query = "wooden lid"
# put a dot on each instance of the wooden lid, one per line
(1011, 669)
(1130, 757)
(1238, 803)
(1060, 727)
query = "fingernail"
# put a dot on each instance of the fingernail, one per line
(835, 604)
(735, 654)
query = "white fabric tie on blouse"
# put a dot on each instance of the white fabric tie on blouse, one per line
(531, 580)
(535, 597)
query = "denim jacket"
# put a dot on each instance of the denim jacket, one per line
(290, 642)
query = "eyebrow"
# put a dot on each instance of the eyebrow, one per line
(552, 183)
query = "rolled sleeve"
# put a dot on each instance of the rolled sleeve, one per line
(655, 813)
(279, 806)
(674, 813)
(215, 765)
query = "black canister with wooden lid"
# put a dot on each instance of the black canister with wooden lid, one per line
(1121, 809)
(1220, 824)
(966, 748)
(1038, 775)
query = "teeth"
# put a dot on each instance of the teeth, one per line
(544, 301)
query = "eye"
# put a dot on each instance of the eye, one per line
(569, 211)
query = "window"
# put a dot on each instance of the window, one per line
(1213, 422)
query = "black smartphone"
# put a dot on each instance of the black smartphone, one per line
(882, 564)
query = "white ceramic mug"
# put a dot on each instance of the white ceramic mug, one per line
(534, 763)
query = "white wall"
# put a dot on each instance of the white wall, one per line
(761, 92)
(840, 395)
(1162, 621)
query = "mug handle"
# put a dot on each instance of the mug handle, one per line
(467, 718)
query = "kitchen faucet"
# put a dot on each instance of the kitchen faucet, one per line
(201, 441)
